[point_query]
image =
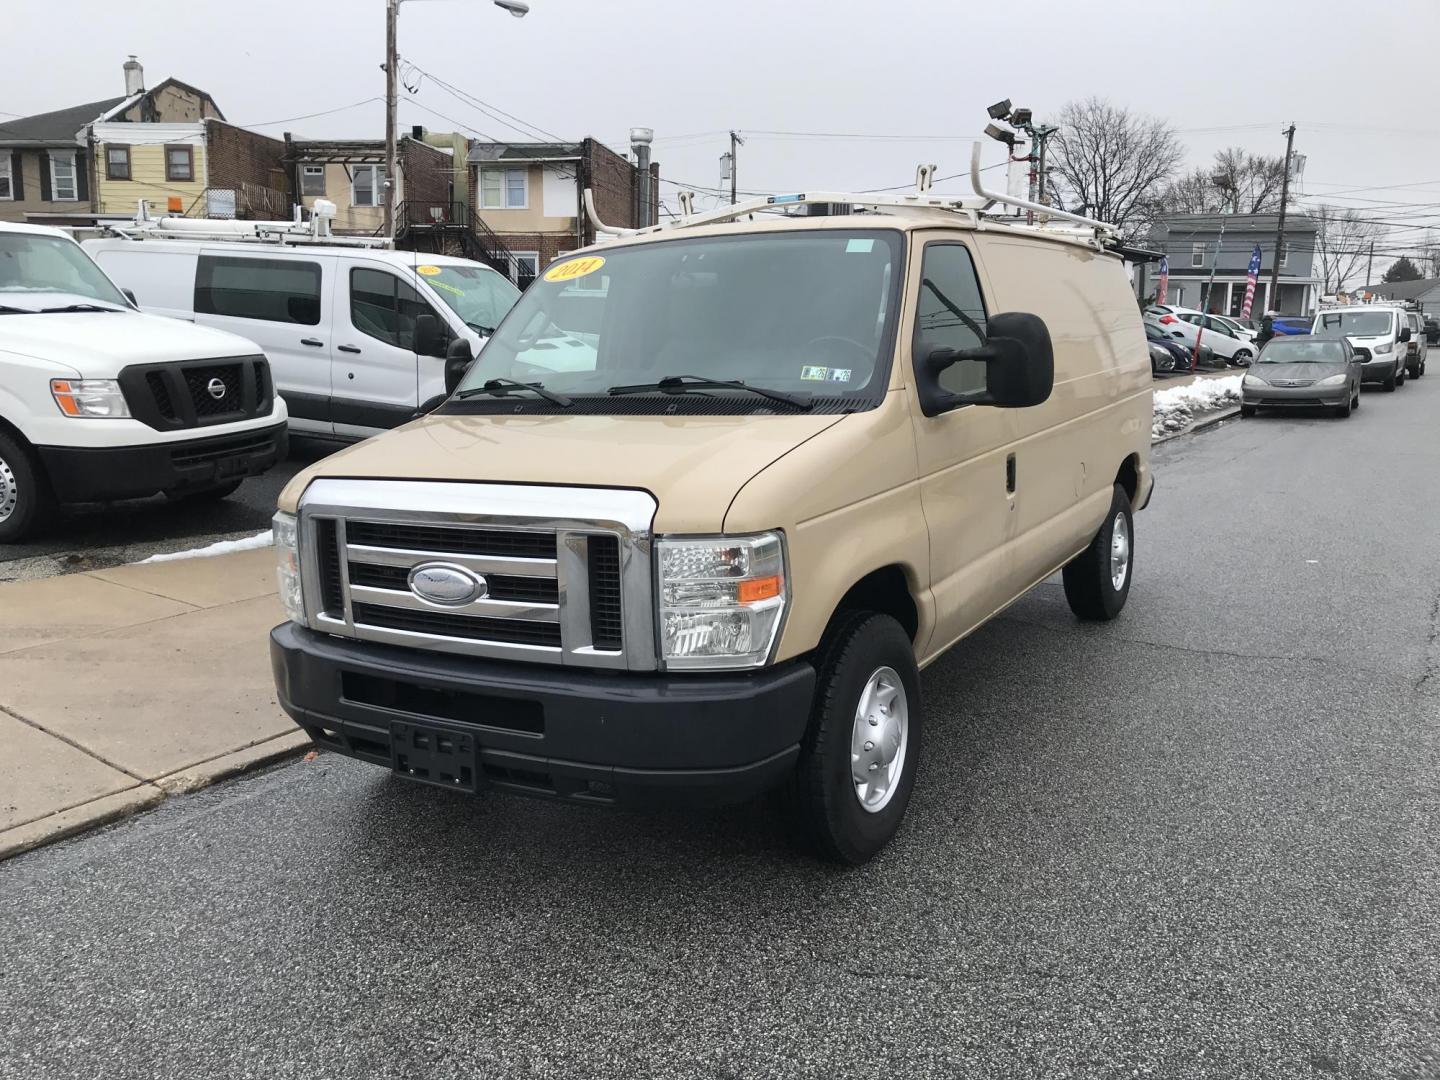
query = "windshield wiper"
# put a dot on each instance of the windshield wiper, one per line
(6, 309)
(77, 307)
(505, 387)
(486, 330)
(680, 384)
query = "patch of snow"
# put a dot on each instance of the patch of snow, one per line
(1175, 408)
(220, 547)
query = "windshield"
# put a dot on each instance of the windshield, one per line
(479, 295)
(1303, 351)
(1355, 323)
(38, 272)
(807, 313)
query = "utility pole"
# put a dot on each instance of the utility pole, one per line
(392, 62)
(1370, 264)
(1205, 300)
(640, 140)
(1272, 302)
(735, 140)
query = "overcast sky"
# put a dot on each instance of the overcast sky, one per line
(1358, 80)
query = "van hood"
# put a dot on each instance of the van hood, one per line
(99, 344)
(693, 465)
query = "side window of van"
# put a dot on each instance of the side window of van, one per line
(950, 314)
(274, 290)
(384, 307)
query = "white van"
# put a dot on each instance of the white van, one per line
(99, 401)
(1380, 330)
(357, 336)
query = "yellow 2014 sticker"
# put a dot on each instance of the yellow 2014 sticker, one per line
(575, 268)
(427, 271)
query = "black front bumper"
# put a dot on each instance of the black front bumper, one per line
(85, 474)
(588, 735)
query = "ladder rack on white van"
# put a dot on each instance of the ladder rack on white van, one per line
(971, 210)
(316, 230)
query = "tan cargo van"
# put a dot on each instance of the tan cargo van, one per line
(711, 497)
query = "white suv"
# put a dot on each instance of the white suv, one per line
(99, 401)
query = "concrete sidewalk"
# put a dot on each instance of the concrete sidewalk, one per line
(120, 687)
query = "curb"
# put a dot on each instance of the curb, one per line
(111, 808)
(1199, 425)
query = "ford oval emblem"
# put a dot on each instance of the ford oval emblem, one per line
(446, 583)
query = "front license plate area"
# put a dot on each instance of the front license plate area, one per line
(434, 755)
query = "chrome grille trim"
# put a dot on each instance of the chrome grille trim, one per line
(570, 515)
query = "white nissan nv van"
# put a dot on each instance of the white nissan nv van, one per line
(99, 401)
(357, 336)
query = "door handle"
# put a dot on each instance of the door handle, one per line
(315, 343)
(349, 348)
(1010, 475)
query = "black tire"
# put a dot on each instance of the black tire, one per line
(1247, 410)
(26, 501)
(1400, 375)
(820, 798)
(1355, 401)
(211, 494)
(1390, 385)
(1343, 411)
(1089, 586)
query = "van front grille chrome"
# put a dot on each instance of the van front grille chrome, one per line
(541, 574)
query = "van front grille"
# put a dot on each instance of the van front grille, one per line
(606, 625)
(437, 624)
(525, 545)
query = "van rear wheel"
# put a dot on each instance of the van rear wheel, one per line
(857, 764)
(1097, 581)
(26, 502)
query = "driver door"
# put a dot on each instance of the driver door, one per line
(376, 369)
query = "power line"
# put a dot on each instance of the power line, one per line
(312, 116)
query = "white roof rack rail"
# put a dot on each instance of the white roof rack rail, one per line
(316, 230)
(971, 210)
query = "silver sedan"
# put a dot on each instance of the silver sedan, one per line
(1304, 372)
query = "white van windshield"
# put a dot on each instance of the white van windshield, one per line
(1355, 323)
(48, 273)
(479, 295)
(800, 313)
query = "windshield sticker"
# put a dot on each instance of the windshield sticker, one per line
(575, 268)
(840, 374)
(427, 271)
(447, 287)
(814, 374)
(860, 244)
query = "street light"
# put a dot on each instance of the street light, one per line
(1000, 110)
(518, 8)
(999, 134)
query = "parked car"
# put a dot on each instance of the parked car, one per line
(1304, 372)
(1172, 356)
(1417, 349)
(620, 582)
(1378, 331)
(1432, 330)
(1291, 325)
(357, 336)
(99, 401)
(1237, 327)
(1229, 342)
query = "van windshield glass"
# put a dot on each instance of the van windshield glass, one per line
(39, 272)
(1355, 323)
(479, 295)
(805, 313)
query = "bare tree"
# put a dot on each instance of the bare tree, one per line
(1342, 244)
(1114, 162)
(1236, 183)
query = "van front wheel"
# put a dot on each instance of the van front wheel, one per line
(1097, 581)
(25, 498)
(857, 764)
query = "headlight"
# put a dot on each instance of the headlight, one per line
(89, 397)
(1387, 347)
(1253, 380)
(287, 565)
(1333, 380)
(721, 600)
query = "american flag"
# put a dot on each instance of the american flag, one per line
(1254, 275)
(1164, 280)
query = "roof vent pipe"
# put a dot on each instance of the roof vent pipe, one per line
(134, 77)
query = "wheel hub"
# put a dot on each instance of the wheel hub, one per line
(878, 739)
(9, 490)
(1119, 551)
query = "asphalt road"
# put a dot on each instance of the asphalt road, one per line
(1200, 841)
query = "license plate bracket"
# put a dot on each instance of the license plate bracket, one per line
(432, 754)
(228, 468)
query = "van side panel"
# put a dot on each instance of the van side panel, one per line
(162, 280)
(1069, 449)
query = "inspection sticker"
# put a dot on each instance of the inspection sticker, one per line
(427, 271)
(575, 268)
(814, 374)
(840, 374)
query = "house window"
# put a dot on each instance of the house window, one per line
(1284, 255)
(312, 180)
(62, 177)
(1197, 254)
(367, 185)
(180, 163)
(117, 163)
(7, 179)
(526, 264)
(503, 189)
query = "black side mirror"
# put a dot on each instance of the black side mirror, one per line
(130, 295)
(429, 341)
(1405, 335)
(1019, 367)
(458, 358)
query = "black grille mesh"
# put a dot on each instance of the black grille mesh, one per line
(198, 380)
(606, 627)
(507, 631)
(523, 545)
(332, 603)
(501, 586)
(156, 381)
